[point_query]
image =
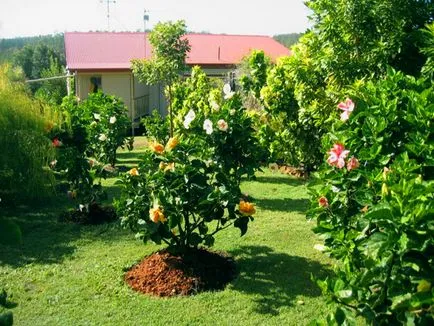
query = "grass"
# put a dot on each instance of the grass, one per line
(65, 274)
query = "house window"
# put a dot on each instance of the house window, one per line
(95, 84)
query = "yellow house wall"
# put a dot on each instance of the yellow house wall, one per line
(113, 83)
(125, 86)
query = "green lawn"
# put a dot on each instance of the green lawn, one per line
(66, 274)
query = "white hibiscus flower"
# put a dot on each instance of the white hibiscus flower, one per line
(190, 116)
(207, 126)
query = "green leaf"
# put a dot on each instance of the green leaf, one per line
(242, 223)
(374, 245)
(340, 316)
(209, 240)
(194, 239)
(203, 228)
(3, 297)
(6, 319)
(379, 213)
(156, 237)
(363, 197)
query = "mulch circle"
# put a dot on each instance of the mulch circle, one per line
(164, 274)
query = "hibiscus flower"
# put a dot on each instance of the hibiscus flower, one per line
(207, 126)
(157, 147)
(172, 143)
(228, 92)
(190, 116)
(156, 215)
(323, 202)
(352, 163)
(222, 125)
(347, 107)
(337, 153)
(56, 142)
(246, 208)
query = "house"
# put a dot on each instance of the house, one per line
(101, 61)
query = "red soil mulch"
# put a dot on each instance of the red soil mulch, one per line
(164, 274)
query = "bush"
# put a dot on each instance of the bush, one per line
(373, 202)
(173, 195)
(107, 125)
(72, 142)
(86, 143)
(229, 137)
(194, 179)
(349, 41)
(25, 149)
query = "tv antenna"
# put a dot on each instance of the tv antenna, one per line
(145, 19)
(108, 2)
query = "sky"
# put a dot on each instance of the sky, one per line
(253, 17)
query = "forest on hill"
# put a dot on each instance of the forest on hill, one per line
(8, 47)
(288, 40)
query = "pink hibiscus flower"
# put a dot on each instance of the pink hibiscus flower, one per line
(352, 163)
(56, 142)
(337, 153)
(347, 107)
(323, 202)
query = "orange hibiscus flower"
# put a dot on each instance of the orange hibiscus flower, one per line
(246, 208)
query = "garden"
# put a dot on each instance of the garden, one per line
(303, 194)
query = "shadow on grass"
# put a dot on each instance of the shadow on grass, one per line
(281, 179)
(45, 240)
(113, 192)
(284, 205)
(276, 279)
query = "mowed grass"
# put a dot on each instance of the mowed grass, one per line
(66, 274)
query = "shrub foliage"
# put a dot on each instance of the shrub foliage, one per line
(373, 201)
(182, 186)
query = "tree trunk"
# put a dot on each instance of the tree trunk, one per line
(170, 110)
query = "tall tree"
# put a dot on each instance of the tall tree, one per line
(169, 51)
(24, 59)
(351, 41)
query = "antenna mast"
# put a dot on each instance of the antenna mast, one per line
(145, 19)
(108, 2)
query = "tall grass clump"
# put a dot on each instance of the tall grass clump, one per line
(25, 150)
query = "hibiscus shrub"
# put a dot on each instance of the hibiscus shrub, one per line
(173, 195)
(219, 123)
(109, 123)
(373, 201)
(72, 165)
(179, 188)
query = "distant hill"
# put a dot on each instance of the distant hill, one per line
(9, 46)
(288, 39)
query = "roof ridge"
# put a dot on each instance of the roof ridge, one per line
(224, 34)
(204, 34)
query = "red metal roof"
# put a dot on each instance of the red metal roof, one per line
(111, 51)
